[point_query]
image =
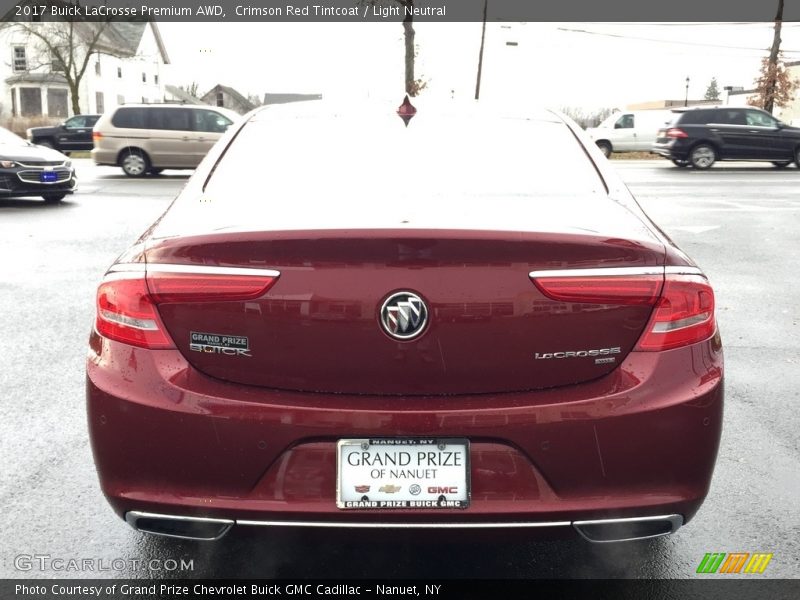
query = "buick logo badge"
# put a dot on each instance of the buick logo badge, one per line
(404, 315)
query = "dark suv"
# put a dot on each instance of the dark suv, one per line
(702, 136)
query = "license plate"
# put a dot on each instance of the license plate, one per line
(402, 473)
(48, 176)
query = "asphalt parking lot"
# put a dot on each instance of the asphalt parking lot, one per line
(740, 222)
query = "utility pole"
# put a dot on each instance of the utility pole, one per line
(480, 54)
(772, 69)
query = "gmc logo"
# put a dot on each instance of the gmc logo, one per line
(442, 490)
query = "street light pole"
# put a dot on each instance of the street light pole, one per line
(686, 100)
(480, 54)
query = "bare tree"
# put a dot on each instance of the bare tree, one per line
(64, 48)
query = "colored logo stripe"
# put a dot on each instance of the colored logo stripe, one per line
(735, 561)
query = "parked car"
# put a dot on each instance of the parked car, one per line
(148, 138)
(346, 321)
(29, 170)
(631, 131)
(73, 134)
(702, 136)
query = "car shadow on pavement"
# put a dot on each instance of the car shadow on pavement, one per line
(34, 203)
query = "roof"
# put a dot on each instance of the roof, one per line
(286, 98)
(182, 95)
(36, 78)
(238, 97)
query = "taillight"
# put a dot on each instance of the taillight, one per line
(126, 312)
(127, 301)
(96, 136)
(676, 132)
(622, 289)
(684, 314)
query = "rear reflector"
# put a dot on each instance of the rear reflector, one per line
(639, 290)
(127, 302)
(683, 315)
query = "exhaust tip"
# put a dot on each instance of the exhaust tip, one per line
(184, 528)
(623, 530)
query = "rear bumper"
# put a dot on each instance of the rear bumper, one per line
(639, 442)
(676, 149)
(102, 156)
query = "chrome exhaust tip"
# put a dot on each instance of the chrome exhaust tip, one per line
(624, 530)
(183, 528)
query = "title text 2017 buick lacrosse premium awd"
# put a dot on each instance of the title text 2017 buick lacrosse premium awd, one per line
(465, 321)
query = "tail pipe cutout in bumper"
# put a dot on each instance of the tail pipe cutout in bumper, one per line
(598, 530)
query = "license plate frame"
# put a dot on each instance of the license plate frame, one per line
(48, 176)
(416, 485)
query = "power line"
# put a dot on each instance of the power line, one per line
(663, 41)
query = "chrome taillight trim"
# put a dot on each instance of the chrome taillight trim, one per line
(191, 269)
(615, 272)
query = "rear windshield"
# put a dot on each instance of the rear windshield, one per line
(376, 159)
(696, 117)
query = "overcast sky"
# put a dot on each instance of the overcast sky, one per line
(586, 65)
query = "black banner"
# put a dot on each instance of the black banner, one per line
(734, 588)
(397, 10)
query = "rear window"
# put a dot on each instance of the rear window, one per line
(696, 117)
(380, 160)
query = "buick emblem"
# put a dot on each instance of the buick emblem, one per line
(404, 315)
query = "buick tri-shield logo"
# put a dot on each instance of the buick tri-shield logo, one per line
(404, 315)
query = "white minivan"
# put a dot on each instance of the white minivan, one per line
(631, 131)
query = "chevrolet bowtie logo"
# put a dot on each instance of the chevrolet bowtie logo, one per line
(404, 315)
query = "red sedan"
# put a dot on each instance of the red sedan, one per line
(457, 319)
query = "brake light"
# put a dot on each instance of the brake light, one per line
(96, 136)
(684, 314)
(126, 312)
(206, 287)
(636, 290)
(127, 302)
(676, 132)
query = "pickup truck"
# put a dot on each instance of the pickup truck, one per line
(72, 135)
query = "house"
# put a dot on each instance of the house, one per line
(227, 97)
(126, 64)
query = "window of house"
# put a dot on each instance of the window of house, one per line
(119, 72)
(97, 67)
(13, 102)
(220, 99)
(56, 66)
(144, 77)
(155, 79)
(30, 101)
(100, 102)
(20, 59)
